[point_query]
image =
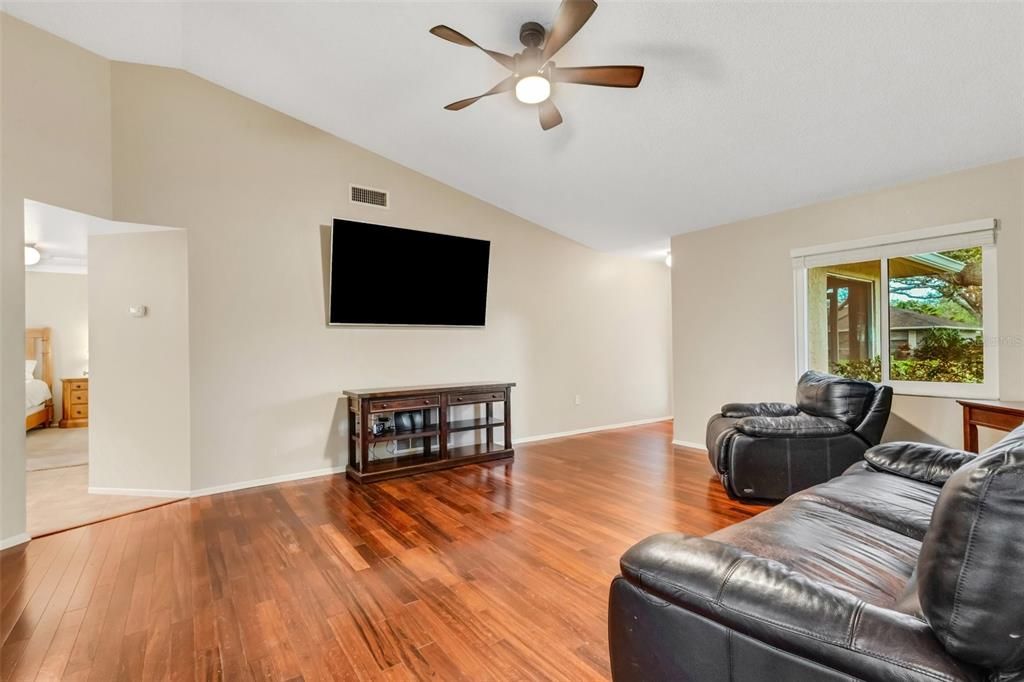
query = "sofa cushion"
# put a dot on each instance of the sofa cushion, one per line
(825, 395)
(828, 545)
(799, 426)
(969, 570)
(719, 428)
(745, 597)
(877, 416)
(740, 410)
(899, 504)
(932, 464)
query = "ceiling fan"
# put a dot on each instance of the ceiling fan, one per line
(533, 72)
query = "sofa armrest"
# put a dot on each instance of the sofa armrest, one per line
(765, 600)
(932, 464)
(740, 410)
(799, 426)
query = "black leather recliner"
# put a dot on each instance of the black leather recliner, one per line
(907, 567)
(772, 450)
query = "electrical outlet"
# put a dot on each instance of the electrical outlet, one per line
(579, 400)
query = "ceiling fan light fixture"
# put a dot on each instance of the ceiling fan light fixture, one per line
(533, 89)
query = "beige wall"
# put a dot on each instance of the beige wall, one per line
(139, 375)
(56, 146)
(252, 187)
(60, 301)
(732, 295)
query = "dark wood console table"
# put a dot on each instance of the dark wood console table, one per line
(427, 408)
(991, 413)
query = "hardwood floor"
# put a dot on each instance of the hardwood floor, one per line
(490, 572)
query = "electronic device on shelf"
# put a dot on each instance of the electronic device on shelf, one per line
(409, 421)
(382, 424)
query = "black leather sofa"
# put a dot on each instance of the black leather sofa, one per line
(907, 567)
(772, 450)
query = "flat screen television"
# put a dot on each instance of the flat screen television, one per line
(392, 276)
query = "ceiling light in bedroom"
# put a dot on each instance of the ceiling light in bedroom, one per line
(32, 255)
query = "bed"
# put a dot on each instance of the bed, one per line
(38, 378)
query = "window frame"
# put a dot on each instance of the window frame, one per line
(975, 233)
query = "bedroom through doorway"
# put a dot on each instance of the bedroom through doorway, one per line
(59, 400)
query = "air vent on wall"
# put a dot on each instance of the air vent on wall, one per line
(367, 195)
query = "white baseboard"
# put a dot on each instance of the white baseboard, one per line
(270, 480)
(690, 444)
(327, 471)
(212, 490)
(592, 429)
(14, 540)
(137, 492)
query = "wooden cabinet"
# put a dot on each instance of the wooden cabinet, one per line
(433, 420)
(75, 403)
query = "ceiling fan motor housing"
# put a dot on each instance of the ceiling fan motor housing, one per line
(531, 34)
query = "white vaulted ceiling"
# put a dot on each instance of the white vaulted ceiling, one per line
(745, 109)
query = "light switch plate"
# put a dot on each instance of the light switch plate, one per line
(137, 310)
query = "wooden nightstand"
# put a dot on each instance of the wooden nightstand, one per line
(76, 403)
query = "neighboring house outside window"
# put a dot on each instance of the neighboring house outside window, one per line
(908, 328)
(939, 307)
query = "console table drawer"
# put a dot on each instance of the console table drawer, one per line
(469, 398)
(405, 403)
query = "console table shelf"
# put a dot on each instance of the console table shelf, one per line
(462, 452)
(406, 434)
(381, 469)
(367, 404)
(474, 424)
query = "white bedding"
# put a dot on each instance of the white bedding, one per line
(36, 393)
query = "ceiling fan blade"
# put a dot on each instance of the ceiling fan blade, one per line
(549, 114)
(572, 14)
(453, 36)
(504, 86)
(607, 76)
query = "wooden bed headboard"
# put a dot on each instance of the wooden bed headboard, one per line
(37, 347)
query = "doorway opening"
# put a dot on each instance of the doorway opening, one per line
(64, 444)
